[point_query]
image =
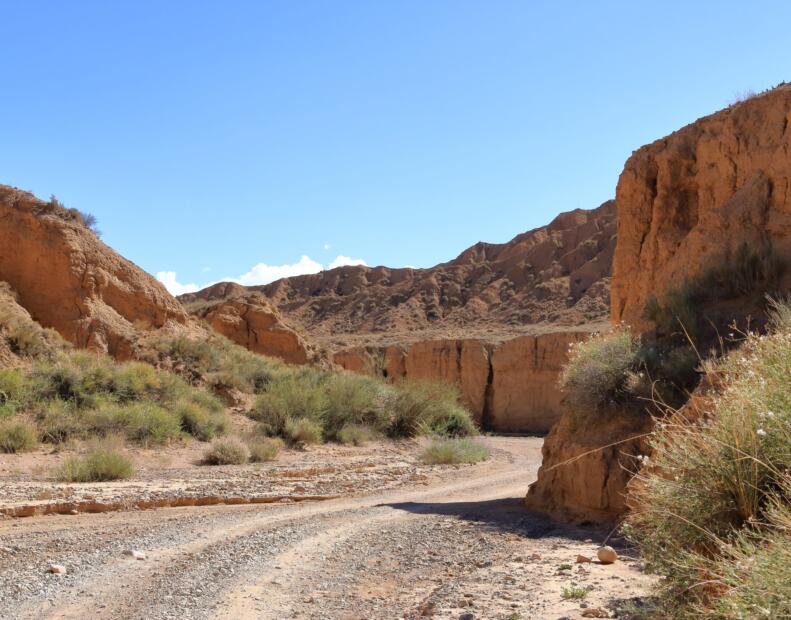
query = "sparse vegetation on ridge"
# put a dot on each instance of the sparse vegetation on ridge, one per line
(748, 274)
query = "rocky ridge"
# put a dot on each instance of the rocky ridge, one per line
(556, 275)
(496, 321)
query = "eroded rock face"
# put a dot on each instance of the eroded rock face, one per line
(510, 387)
(557, 274)
(67, 279)
(692, 197)
(525, 371)
(249, 320)
(585, 467)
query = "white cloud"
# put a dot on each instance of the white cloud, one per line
(168, 278)
(262, 273)
(327, 246)
(343, 261)
(205, 269)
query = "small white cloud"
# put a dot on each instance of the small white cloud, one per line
(262, 273)
(346, 261)
(327, 246)
(205, 269)
(168, 278)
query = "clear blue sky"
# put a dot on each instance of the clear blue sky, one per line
(209, 137)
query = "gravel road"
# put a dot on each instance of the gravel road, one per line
(461, 545)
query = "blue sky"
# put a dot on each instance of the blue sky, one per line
(250, 140)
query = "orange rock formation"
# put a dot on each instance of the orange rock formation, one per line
(694, 196)
(67, 279)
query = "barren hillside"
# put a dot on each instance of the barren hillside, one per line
(556, 275)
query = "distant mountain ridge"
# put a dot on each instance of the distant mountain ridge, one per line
(553, 276)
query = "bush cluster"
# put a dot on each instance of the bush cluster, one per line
(77, 395)
(616, 370)
(310, 405)
(712, 511)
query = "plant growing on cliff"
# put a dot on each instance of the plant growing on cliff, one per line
(712, 513)
(599, 369)
(690, 309)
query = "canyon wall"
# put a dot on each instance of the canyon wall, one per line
(695, 196)
(509, 387)
(67, 279)
(684, 202)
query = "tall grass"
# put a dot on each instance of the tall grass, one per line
(454, 451)
(711, 512)
(103, 463)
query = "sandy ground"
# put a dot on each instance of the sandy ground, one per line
(412, 541)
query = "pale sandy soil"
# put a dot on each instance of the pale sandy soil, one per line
(407, 542)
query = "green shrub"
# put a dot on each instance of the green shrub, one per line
(59, 421)
(599, 369)
(218, 361)
(352, 400)
(454, 451)
(716, 481)
(574, 593)
(16, 436)
(101, 464)
(199, 422)
(289, 398)
(419, 407)
(303, 430)
(147, 423)
(266, 449)
(226, 451)
(355, 434)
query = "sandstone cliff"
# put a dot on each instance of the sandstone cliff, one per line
(684, 202)
(249, 320)
(67, 279)
(695, 196)
(556, 275)
(585, 468)
(509, 387)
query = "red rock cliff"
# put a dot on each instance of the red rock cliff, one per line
(691, 197)
(66, 278)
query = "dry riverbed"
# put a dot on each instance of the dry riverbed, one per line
(390, 538)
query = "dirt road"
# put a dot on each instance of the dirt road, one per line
(461, 545)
